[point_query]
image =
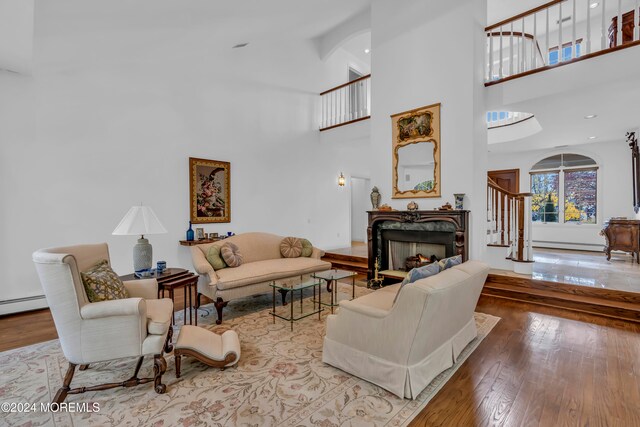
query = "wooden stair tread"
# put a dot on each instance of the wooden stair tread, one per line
(565, 296)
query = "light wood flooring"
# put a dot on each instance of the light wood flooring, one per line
(540, 366)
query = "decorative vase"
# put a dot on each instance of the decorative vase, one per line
(375, 198)
(459, 201)
(190, 235)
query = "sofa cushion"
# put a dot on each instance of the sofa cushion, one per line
(231, 255)
(446, 263)
(263, 271)
(291, 247)
(214, 257)
(102, 283)
(307, 248)
(378, 299)
(419, 273)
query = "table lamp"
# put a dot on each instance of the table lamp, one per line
(140, 220)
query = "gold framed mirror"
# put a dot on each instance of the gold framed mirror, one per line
(416, 153)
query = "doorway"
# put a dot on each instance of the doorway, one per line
(359, 206)
(507, 179)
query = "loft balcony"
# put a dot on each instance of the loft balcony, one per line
(346, 104)
(558, 33)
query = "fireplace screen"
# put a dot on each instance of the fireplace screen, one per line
(400, 252)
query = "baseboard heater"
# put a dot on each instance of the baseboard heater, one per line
(22, 304)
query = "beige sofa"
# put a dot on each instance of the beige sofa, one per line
(402, 347)
(263, 264)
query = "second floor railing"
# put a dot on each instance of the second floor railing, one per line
(559, 32)
(345, 104)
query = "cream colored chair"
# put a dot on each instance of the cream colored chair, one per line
(106, 330)
(402, 347)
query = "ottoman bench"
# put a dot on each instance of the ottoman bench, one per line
(215, 350)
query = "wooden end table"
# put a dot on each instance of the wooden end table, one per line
(171, 279)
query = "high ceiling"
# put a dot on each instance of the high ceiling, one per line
(227, 21)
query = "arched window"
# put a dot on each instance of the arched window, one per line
(572, 178)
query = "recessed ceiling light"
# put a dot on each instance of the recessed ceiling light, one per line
(239, 45)
(591, 116)
(594, 5)
(367, 50)
(592, 137)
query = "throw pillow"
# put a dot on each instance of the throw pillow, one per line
(446, 263)
(291, 247)
(102, 283)
(307, 248)
(419, 273)
(231, 255)
(215, 258)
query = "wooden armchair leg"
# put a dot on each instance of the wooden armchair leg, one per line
(167, 344)
(83, 367)
(220, 304)
(159, 368)
(61, 395)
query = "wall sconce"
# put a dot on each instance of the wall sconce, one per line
(341, 180)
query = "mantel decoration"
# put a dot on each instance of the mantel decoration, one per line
(375, 198)
(459, 197)
(209, 191)
(416, 153)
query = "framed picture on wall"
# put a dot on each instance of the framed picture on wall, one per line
(416, 153)
(209, 191)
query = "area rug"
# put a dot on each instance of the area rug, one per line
(280, 381)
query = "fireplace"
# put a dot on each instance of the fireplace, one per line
(396, 235)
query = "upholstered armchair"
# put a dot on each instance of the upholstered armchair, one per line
(106, 330)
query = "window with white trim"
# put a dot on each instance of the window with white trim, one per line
(570, 178)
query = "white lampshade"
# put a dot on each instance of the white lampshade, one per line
(139, 220)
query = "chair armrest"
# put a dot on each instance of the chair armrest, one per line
(142, 288)
(317, 253)
(118, 307)
(365, 310)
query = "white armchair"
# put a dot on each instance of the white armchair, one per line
(106, 330)
(402, 347)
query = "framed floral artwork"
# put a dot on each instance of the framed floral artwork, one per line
(209, 190)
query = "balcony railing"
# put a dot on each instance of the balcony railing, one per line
(345, 104)
(497, 119)
(557, 33)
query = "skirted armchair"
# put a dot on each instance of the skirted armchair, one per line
(106, 330)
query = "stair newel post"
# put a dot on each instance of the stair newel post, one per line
(521, 228)
(529, 222)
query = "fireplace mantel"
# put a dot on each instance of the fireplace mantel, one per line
(457, 220)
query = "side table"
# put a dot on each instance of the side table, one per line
(171, 279)
(331, 277)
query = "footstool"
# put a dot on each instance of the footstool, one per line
(215, 350)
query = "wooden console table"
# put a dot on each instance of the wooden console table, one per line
(622, 235)
(171, 279)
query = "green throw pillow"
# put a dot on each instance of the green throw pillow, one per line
(307, 248)
(215, 259)
(102, 283)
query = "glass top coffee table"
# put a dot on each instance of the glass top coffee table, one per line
(331, 277)
(293, 288)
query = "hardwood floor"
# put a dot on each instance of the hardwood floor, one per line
(540, 366)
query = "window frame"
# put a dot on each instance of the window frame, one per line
(561, 191)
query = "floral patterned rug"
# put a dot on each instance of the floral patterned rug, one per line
(280, 380)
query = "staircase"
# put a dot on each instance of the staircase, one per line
(509, 241)
(603, 302)
(347, 262)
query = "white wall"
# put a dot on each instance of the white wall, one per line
(614, 190)
(108, 121)
(414, 65)
(16, 35)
